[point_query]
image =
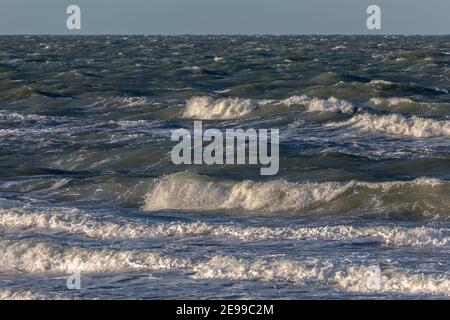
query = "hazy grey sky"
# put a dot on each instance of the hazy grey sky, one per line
(224, 16)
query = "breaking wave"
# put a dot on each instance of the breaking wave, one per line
(185, 191)
(76, 222)
(397, 125)
(6, 294)
(38, 256)
(356, 278)
(391, 101)
(233, 108)
(323, 105)
(209, 108)
(347, 278)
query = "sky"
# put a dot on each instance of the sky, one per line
(225, 16)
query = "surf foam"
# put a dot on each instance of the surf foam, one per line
(208, 108)
(76, 222)
(185, 191)
(6, 294)
(39, 256)
(48, 257)
(353, 278)
(192, 192)
(397, 125)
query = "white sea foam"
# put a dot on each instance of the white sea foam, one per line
(18, 117)
(6, 294)
(331, 105)
(339, 48)
(48, 257)
(381, 82)
(136, 123)
(31, 133)
(227, 267)
(74, 221)
(398, 125)
(209, 108)
(123, 102)
(37, 256)
(318, 105)
(184, 191)
(293, 100)
(353, 278)
(234, 108)
(395, 101)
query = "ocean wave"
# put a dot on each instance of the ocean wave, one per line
(49, 257)
(391, 101)
(208, 108)
(74, 221)
(31, 133)
(353, 278)
(397, 125)
(380, 82)
(192, 192)
(321, 105)
(407, 105)
(331, 105)
(122, 102)
(356, 278)
(185, 191)
(38, 256)
(126, 124)
(17, 117)
(229, 267)
(410, 87)
(6, 294)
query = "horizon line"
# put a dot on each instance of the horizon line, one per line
(225, 34)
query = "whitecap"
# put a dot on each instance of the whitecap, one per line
(397, 125)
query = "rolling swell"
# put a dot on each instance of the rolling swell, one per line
(184, 191)
(77, 222)
(398, 125)
(36, 257)
(86, 180)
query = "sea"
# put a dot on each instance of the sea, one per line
(92, 206)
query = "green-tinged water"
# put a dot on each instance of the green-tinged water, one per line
(87, 182)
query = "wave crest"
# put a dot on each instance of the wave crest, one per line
(32, 256)
(395, 124)
(208, 108)
(76, 222)
(185, 191)
(353, 278)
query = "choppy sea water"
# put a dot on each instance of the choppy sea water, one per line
(87, 183)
